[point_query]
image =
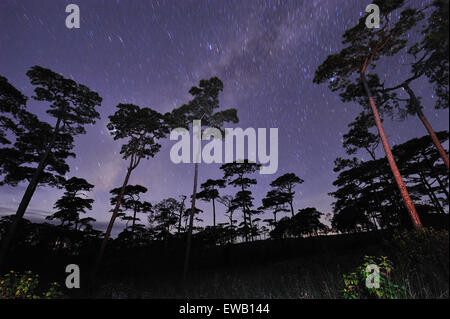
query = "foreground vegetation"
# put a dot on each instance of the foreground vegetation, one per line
(316, 267)
(420, 265)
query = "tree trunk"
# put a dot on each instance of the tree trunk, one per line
(111, 224)
(374, 221)
(214, 213)
(378, 204)
(191, 225)
(387, 181)
(427, 125)
(244, 209)
(231, 228)
(134, 222)
(430, 192)
(31, 188)
(179, 222)
(292, 208)
(398, 178)
(245, 227)
(435, 175)
(181, 214)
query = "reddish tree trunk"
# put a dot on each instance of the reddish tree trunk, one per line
(435, 139)
(395, 171)
(427, 125)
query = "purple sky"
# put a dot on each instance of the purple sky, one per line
(151, 52)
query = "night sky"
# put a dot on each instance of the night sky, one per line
(150, 53)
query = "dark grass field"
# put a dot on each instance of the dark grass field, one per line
(286, 268)
(291, 268)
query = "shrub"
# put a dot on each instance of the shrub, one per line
(25, 285)
(356, 287)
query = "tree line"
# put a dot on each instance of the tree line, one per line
(36, 152)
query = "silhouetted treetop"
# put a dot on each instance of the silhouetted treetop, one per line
(70, 102)
(432, 51)
(142, 127)
(363, 45)
(12, 104)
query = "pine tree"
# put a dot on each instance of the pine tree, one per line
(141, 128)
(210, 192)
(72, 105)
(235, 173)
(73, 202)
(285, 185)
(12, 104)
(363, 48)
(131, 201)
(202, 107)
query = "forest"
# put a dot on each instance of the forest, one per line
(390, 203)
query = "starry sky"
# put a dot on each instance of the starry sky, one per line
(151, 52)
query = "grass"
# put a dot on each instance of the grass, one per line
(307, 268)
(420, 265)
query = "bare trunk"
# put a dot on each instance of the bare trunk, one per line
(244, 209)
(387, 181)
(292, 208)
(134, 222)
(427, 125)
(191, 225)
(435, 139)
(31, 188)
(431, 194)
(214, 222)
(251, 225)
(181, 216)
(378, 205)
(398, 178)
(435, 175)
(245, 227)
(111, 224)
(214, 213)
(231, 228)
(179, 223)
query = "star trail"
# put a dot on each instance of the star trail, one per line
(150, 53)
